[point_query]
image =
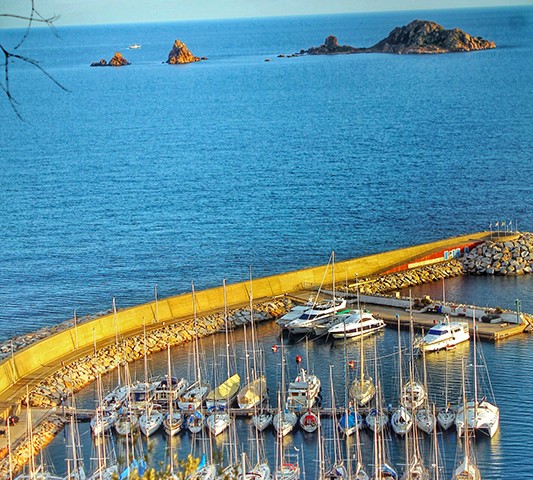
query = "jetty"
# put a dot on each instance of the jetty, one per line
(51, 367)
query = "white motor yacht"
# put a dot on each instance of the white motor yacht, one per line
(444, 336)
(356, 325)
(303, 391)
(322, 311)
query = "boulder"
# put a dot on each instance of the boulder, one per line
(180, 54)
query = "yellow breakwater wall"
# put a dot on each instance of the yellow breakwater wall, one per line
(104, 329)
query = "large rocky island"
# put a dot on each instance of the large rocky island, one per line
(418, 37)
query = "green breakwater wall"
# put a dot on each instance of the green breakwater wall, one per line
(23, 367)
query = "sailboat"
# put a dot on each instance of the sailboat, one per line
(173, 421)
(285, 420)
(254, 392)
(467, 469)
(75, 465)
(284, 470)
(220, 399)
(376, 419)
(424, 418)
(481, 415)
(414, 393)
(401, 420)
(362, 389)
(446, 415)
(192, 399)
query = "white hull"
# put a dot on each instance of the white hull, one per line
(195, 423)
(217, 422)
(262, 420)
(362, 391)
(126, 424)
(193, 398)
(376, 420)
(413, 395)
(445, 336)
(150, 422)
(103, 423)
(425, 421)
(284, 422)
(401, 421)
(446, 418)
(484, 418)
(173, 425)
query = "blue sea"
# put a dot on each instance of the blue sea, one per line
(155, 175)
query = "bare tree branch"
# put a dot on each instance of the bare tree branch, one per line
(34, 16)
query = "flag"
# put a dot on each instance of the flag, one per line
(503, 224)
(497, 224)
(490, 225)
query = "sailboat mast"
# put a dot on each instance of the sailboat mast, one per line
(254, 353)
(226, 327)
(475, 360)
(170, 409)
(196, 356)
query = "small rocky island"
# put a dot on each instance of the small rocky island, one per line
(418, 37)
(180, 54)
(117, 61)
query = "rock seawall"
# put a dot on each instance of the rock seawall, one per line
(408, 278)
(78, 374)
(506, 257)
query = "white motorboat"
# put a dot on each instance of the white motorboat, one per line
(293, 314)
(445, 335)
(356, 325)
(141, 395)
(303, 391)
(321, 311)
(150, 420)
(134, 46)
(172, 390)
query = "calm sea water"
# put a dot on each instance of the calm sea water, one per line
(158, 175)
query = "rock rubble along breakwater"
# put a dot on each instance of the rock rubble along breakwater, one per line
(76, 375)
(409, 278)
(506, 257)
(21, 452)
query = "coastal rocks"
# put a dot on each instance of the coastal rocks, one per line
(421, 36)
(418, 37)
(117, 61)
(331, 46)
(408, 278)
(52, 391)
(180, 54)
(507, 257)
